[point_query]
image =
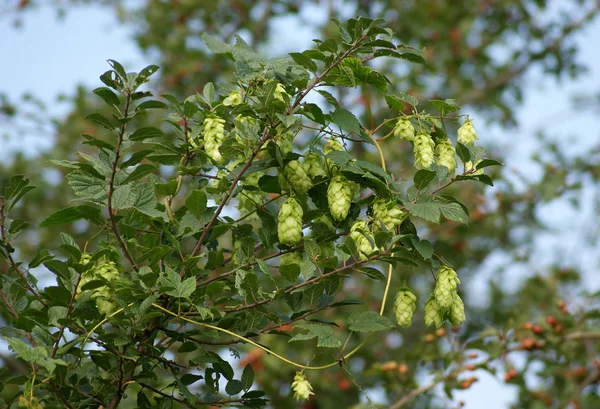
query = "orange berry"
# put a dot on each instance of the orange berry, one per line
(537, 329)
(528, 325)
(528, 343)
(551, 320)
(403, 368)
(470, 367)
(473, 355)
(558, 329)
(441, 332)
(389, 366)
(429, 338)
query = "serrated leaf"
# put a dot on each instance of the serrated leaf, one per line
(346, 120)
(323, 333)
(70, 214)
(368, 321)
(454, 211)
(424, 247)
(139, 172)
(196, 203)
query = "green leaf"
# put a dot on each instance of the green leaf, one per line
(463, 152)
(368, 321)
(424, 247)
(373, 273)
(41, 257)
(395, 103)
(247, 377)
(139, 172)
(136, 158)
(323, 333)
(329, 98)
(101, 120)
(233, 387)
(488, 162)
(269, 184)
(423, 177)
(346, 120)
(145, 133)
(454, 211)
(408, 98)
(152, 104)
(216, 46)
(304, 61)
(71, 214)
(209, 92)
(445, 106)
(196, 202)
(107, 95)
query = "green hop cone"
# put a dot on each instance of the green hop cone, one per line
(445, 286)
(446, 154)
(233, 99)
(404, 307)
(470, 168)
(297, 177)
(404, 129)
(289, 228)
(214, 135)
(434, 314)
(457, 311)
(388, 213)
(466, 133)
(285, 140)
(313, 164)
(294, 257)
(301, 387)
(250, 199)
(365, 244)
(423, 150)
(85, 259)
(331, 146)
(339, 197)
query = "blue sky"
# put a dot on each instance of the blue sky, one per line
(48, 56)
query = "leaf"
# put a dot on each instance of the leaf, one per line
(445, 106)
(41, 257)
(234, 387)
(329, 98)
(101, 120)
(463, 152)
(247, 377)
(424, 247)
(304, 61)
(209, 92)
(139, 172)
(323, 333)
(107, 95)
(426, 210)
(423, 177)
(196, 203)
(71, 214)
(145, 133)
(408, 98)
(269, 184)
(152, 104)
(214, 45)
(373, 273)
(454, 211)
(395, 103)
(346, 120)
(368, 321)
(136, 158)
(488, 162)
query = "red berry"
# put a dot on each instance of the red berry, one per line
(551, 320)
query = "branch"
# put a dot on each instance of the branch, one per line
(111, 187)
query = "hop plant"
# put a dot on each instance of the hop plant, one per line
(301, 387)
(457, 311)
(466, 133)
(313, 164)
(103, 295)
(445, 286)
(423, 150)
(233, 99)
(388, 213)
(404, 129)
(365, 243)
(445, 154)
(339, 197)
(434, 314)
(249, 199)
(470, 168)
(404, 306)
(297, 177)
(214, 135)
(289, 228)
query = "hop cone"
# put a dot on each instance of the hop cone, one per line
(388, 212)
(433, 313)
(294, 257)
(445, 154)
(470, 167)
(466, 133)
(301, 387)
(445, 286)
(297, 177)
(103, 295)
(339, 197)
(214, 135)
(289, 228)
(233, 99)
(313, 164)
(423, 150)
(457, 311)
(248, 200)
(285, 140)
(404, 129)
(280, 93)
(404, 306)
(330, 146)
(363, 239)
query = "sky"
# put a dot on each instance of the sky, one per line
(48, 56)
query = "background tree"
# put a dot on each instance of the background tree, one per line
(460, 41)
